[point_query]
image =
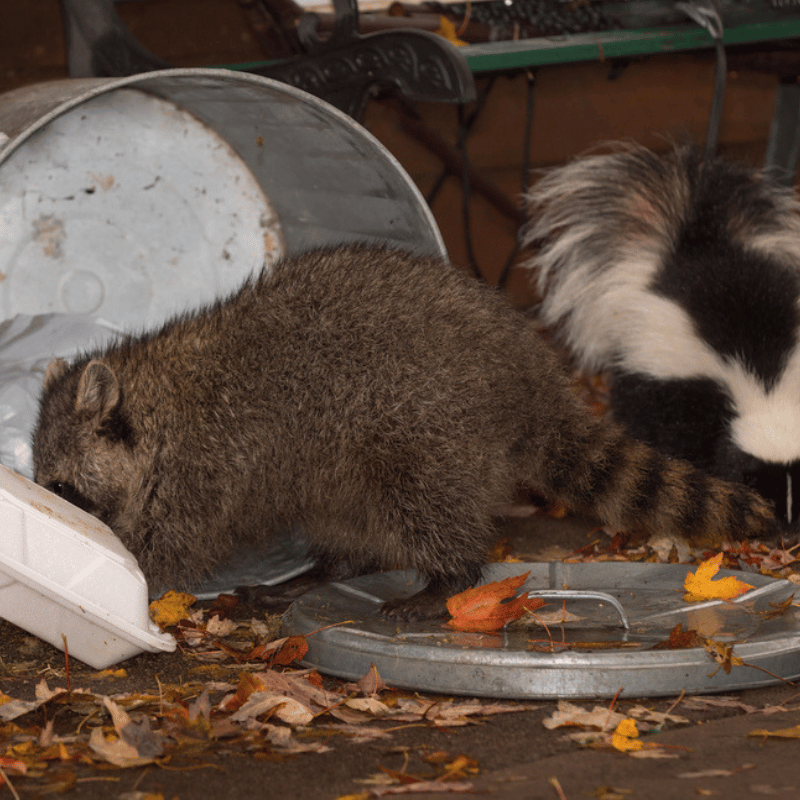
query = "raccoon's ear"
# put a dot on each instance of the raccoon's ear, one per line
(55, 369)
(98, 390)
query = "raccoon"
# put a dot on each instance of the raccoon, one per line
(386, 403)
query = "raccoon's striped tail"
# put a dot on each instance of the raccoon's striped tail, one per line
(602, 472)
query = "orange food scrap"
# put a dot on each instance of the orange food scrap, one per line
(626, 736)
(171, 608)
(701, 585)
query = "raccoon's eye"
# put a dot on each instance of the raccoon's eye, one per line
(70, 494)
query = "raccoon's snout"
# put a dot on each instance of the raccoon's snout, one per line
(69, 493)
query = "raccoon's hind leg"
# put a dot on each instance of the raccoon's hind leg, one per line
(440, 522)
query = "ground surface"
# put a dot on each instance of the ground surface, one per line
(502, 755)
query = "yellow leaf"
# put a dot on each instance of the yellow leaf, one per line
(112, 673)
(781, 733)
(171, 608)
(626, 736)
(701, 585)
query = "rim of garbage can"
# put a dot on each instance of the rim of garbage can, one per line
(98, 86)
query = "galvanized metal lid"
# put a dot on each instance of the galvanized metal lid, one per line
(623, 611)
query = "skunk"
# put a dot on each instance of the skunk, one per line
(679, 279)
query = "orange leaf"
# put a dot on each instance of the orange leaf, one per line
(293, 649)
(13, 765)
(489, 607)
(701, 585)
(248, 684)
(680, 639)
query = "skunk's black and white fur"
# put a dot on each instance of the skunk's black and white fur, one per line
(680, 280)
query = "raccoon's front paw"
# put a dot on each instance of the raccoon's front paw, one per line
(421, 606)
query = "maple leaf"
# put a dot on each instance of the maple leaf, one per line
(489, 607)
(701, 585)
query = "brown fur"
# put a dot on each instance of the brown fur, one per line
(387, 404)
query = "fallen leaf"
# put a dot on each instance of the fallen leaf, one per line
(701, 585)
(723, 654)
(13, 765)
(568, 714)
(372, 683)
(554, 617)
(779, 609)
(781, 733)
(459, 768)
(112, 673)
(715, 773)
(425, 787)
(116, 750)
(700, 702)
(679, 639)
(285, 708)
(292, 649)
(658, 717)
(221, 627)
(491, 606)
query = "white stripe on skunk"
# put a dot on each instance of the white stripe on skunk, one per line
(680, 279)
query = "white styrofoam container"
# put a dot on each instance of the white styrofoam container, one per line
(64, 575)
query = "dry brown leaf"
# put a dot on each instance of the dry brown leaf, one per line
(285, 708)
(715, 773)
(424, 787)
(370, 705)
(116, 750)
(567, 714)
(371, 684)
(680, 639)
(221, 627)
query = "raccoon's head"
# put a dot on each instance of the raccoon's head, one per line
(83, 445)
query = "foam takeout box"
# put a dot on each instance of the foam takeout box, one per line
(65, 577)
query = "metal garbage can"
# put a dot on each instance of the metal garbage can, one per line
(130, 198)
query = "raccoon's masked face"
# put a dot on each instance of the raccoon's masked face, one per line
(83, 447)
